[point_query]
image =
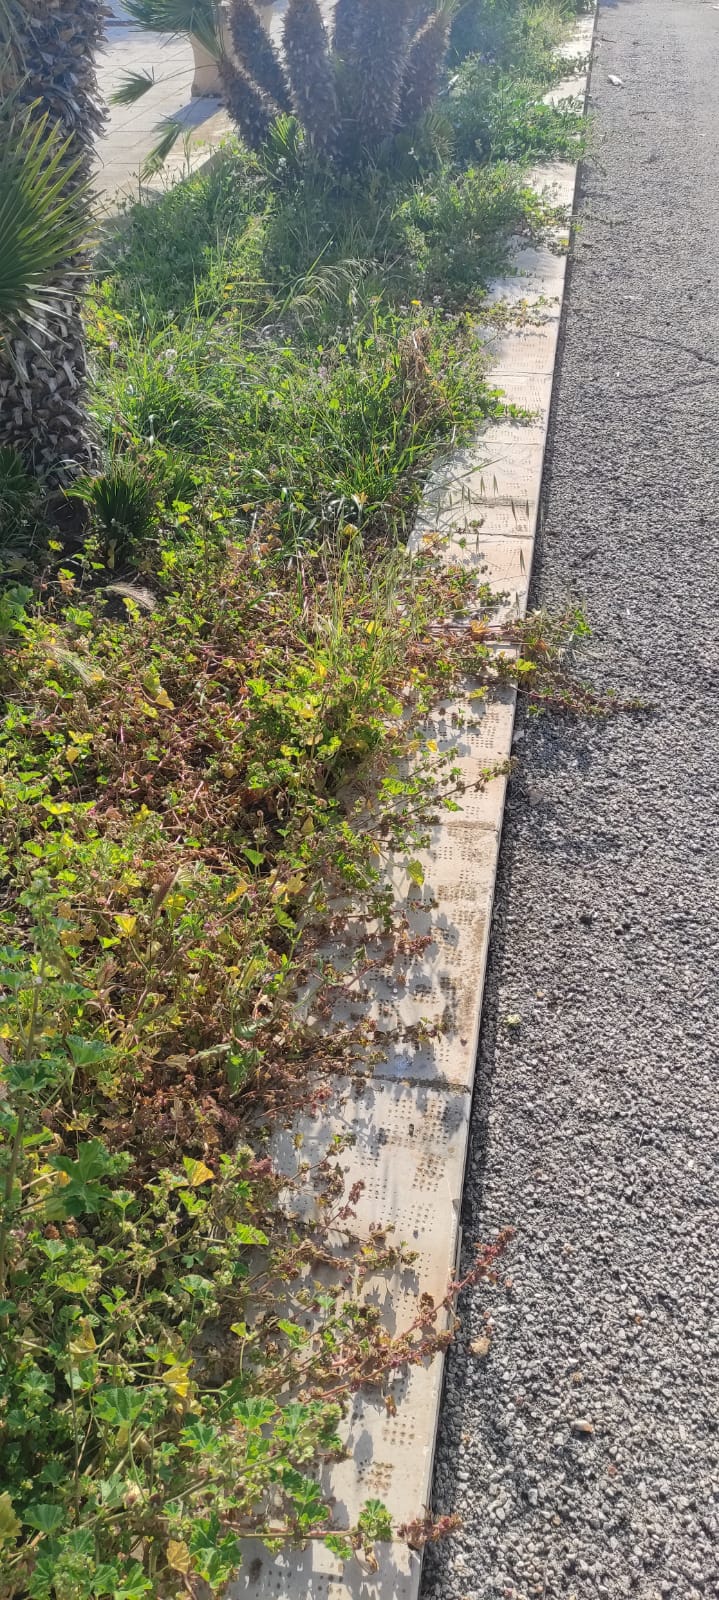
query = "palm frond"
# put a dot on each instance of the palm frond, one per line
(198, 17)
(132, 88)
(284, 148)
(170, 130)
(43, 220)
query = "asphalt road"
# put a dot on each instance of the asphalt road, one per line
(582, 1451)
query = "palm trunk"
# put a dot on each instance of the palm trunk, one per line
(50, 59)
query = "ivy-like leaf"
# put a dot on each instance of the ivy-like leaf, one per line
(44, 1516)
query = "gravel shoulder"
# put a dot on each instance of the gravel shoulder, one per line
(581, 1452)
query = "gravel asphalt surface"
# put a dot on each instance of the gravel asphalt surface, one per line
(581, 1452)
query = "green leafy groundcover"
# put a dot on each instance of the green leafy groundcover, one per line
(172, 1365)
(224, 631)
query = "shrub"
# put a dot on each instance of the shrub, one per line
(175, 1355)
(512, 33)
(498, 117)
(456, 229)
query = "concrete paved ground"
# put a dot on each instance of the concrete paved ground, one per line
(581, 1451)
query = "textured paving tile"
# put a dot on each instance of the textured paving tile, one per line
(407, 1154)
(314, 1574)
(131, 132)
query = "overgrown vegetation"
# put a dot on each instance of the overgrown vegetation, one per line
(217, 656)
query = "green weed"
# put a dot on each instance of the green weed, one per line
(497, 117)
(456, 229)
(311, 437)
(517, 35)
(158, 256)
(22, 522)
(170, 821)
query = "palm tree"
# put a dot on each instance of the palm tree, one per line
(51, 116)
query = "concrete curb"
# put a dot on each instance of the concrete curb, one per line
(410, 1119)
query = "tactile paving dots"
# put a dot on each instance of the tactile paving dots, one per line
(313, 1573)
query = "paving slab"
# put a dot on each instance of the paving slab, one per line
(131, 132)
(407, 1156)
(315, 1574)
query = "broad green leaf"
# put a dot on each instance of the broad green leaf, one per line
(198, 1435)
(194, 1284)
(74, 1282)
(254, 1413)
(77, 1189)
(119, 1405)
(339, 1545)
(45, 1517)
(294, 1333)
(86, 1052)
(245, 1234)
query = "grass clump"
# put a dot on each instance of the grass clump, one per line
(520, 36)
(456, 229)
(158, 257)
(309, 436)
